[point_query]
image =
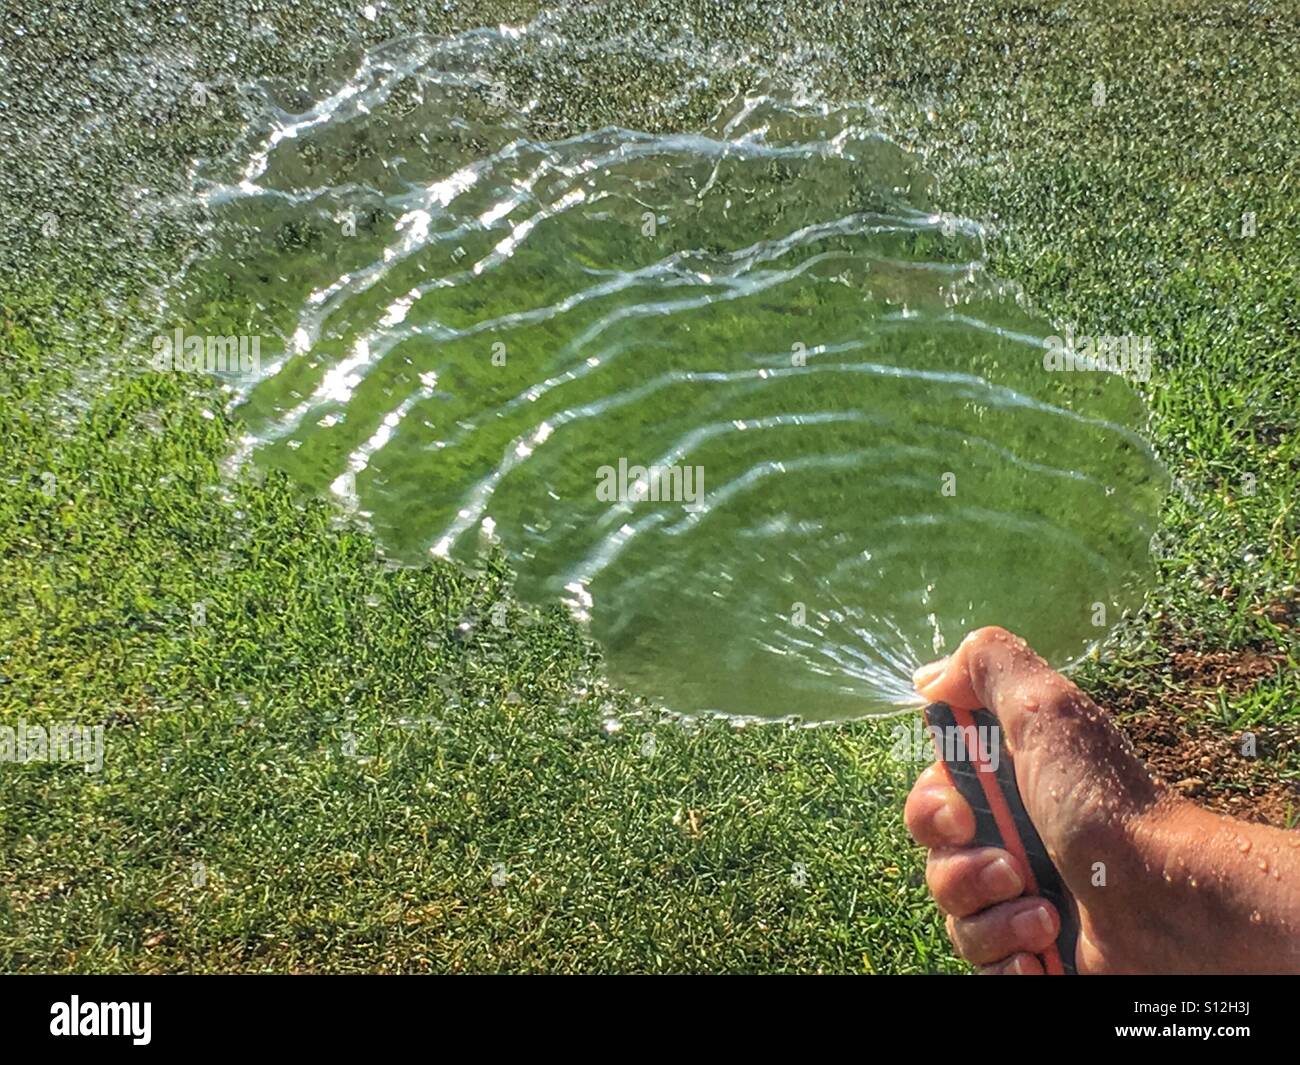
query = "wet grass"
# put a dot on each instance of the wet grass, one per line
(335, 765)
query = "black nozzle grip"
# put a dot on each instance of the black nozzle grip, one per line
(965, 741)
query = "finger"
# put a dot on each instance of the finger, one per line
(997, 670)
(935, 813)
(1016, 965)
(1027, 925)
(992, 668)
(1041, 712)
(964, 881)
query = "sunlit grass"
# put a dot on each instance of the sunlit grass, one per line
(327, 773)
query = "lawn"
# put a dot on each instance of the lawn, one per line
(317, 761)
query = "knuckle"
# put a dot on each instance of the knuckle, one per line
(982, 639)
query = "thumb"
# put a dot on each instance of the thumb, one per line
(997, 671)
(1071, 762)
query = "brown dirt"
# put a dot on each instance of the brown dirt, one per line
(1196, 754)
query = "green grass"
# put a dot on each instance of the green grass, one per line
(755, 849)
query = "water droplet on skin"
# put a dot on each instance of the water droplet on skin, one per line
(1243, 844)
(1256, 917)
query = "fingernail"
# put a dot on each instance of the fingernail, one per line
(928, 672)
(1033, 926)
(1000, 880)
